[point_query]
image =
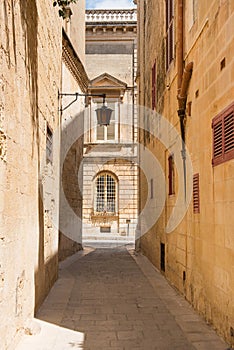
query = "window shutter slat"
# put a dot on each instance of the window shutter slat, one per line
(229, 133)
(218, 139)
(196, 194)
(169, 32)
(171, 175)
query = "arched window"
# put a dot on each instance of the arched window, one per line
(105, 193)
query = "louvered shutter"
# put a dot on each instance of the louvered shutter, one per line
(196, 194)
(223, 136)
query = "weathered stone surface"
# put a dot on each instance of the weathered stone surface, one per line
(30, 78)
(115, 300)
(198, 252)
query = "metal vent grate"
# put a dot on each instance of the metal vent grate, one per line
(105, 229)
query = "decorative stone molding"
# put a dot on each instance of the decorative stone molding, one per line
(74, 64)
(104, 219)
(129, 15)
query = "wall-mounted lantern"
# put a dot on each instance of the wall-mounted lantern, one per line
(103, 113)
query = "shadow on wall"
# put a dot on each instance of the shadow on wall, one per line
(29, 22)
(46, 273)
(71, 185)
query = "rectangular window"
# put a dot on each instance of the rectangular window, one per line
(196, 194)
(107, 133)
(49, 145)
(152, 188)
(194, 10)
(100, 200)
(169, 32)
(153, 74)
(223, 136)
(171, 175)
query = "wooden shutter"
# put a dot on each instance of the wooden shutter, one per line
(171, 175)
(223, 136)
(196, 194)
(169, 32)
(229, 133)
(154, 86)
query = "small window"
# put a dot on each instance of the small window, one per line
(171, 175)
(195, 7)
(196, 194)
(162, 256)
(169, 32)
(223, 136)
(49, 145)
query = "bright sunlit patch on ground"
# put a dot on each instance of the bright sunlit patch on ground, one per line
(52, 337)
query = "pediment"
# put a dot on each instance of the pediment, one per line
(107, 80)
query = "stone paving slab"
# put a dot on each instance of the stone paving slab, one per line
(115, 299)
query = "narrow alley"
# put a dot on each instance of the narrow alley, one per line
(116, 174)
(115, 299)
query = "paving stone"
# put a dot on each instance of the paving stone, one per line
(116, 300)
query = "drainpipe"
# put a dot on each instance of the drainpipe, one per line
(182, 95)
(183, 79)
(182, 98)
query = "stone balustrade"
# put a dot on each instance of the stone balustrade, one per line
(111, 15)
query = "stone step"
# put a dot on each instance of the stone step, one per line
(108, 237)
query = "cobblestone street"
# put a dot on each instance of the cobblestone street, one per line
(115, 299)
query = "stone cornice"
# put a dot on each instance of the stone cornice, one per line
(74, 64)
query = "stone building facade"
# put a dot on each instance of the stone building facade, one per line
(110, 152)
(186, 85)
(30, 122)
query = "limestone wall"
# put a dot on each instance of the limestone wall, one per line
(77, 28)
(120, 66)
(30, 56)
(198, 251)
